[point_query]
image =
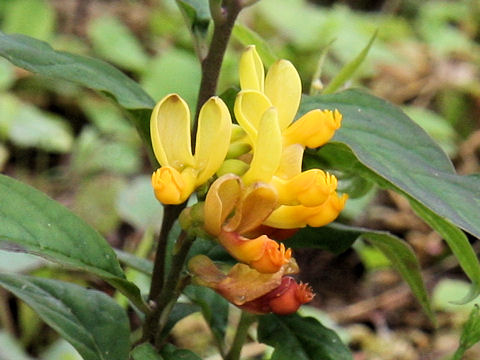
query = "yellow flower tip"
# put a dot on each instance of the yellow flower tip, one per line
(170, 132)
(251, 70)
(328, 211)
(313, 129)
(309, 188)
(274, 257)
(170, 187)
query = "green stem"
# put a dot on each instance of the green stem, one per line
(171, 213)
(172, 286)
(244, 323)
(211, 65)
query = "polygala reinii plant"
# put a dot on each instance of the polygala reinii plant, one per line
(242, 190)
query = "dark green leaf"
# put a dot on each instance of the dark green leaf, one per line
(38, 57)
(34, 223)
(145, 351)
(197, 16)
(91, 321)
(170, 352)
(334, 237)
(299, 338)
(398, 151)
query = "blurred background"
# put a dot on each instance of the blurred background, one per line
(76, 146)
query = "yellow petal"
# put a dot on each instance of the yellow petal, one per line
(250, 105)
(251, 70)
(284, 88)
(253, 209)
(213, 138)
(309, 188)
(291, 161)
(313, 129)
(267, 149)
(171, 186)
(291, 217)
(170, 132)
(221, 199)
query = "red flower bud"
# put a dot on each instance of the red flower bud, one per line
(284, 299)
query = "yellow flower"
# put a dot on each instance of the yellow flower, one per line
(182, 172)
(265, 108)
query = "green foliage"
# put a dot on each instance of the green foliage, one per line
(90, 320)
(29, 17)
(346, 73)
(296, 337)
(114, 41)
(391, 146)
(37, 224)
(470, 333)
(337, 238)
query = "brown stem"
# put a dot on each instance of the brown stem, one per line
(211, 65)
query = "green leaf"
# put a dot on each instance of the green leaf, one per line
(170, 352)
(337, 238)
(145, 351)
(197, 17)
(114, 41)
(470, 333)
(349, 69)
(29, 17)
(34, 223)
(393, 149)
(404, 261)
(140, 264)
(214, 309)
(174, 71)
(60, 350)
(300, 338)
(28, 126)
(247, 37)
(90, 320)
(334, 237)
(39, 57)
(137, 205)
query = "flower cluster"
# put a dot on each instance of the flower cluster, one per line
(259, 186)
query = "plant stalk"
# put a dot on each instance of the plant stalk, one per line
(211, 65)
(244, 323)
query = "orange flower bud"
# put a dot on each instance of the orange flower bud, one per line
(171, 186)
(263, 254)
